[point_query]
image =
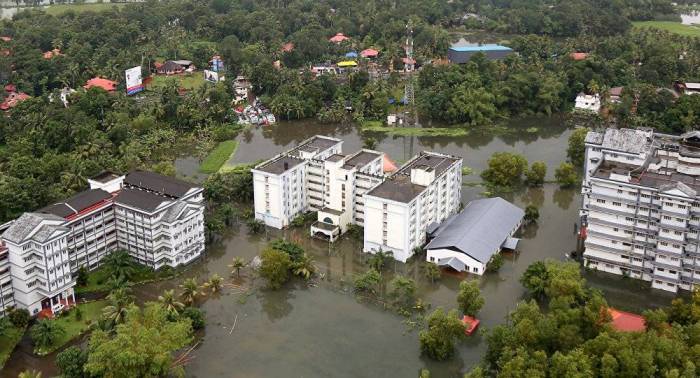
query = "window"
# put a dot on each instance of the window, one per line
(600, 200)
(476, 270)
(617, 204)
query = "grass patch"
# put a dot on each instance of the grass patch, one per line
(670, 26)
(218, 156)
(57, 10)
(378, 127)
(8, 341)
(187, 81)
(98, 279)
(91, 312)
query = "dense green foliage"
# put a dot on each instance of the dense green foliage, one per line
(71, 362)
(571, 335)
(469, 297)
(505, 169)
(141, 347)
(536, 174)
(443, 329)
(566, 175)
(274, 267)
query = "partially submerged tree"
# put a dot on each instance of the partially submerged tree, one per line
(469, 297)
(443, 330)
(274, 267)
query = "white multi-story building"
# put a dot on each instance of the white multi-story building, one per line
(342, 189)
(157, 219)
(424, 191)
(641, 207)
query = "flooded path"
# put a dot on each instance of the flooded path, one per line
(322, 329)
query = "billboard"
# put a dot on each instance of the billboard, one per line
(217, 64)
(211, 76)
(134, 84)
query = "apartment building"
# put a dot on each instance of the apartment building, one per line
(348, 189)
(424, 191)
(158, 219)
(641, 207)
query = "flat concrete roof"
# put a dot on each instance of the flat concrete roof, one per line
(280, 164)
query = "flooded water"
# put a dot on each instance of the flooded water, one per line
(322, 329)
(542, 139)
(691, 18)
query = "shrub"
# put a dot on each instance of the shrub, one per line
(536, 174)
(274, 267)
(566, 175)
(368, 281)
(495, 263)
(19, 317)
(70, 362)
(505, 169)
(196, 316)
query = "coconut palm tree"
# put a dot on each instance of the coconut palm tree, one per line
(170, 303)
(119, 302)
(215, 283)
(190, 291)
(304, 267)
(119, 265)
(236, 264)
(46, 332)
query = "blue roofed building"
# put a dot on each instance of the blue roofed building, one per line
(466, 241)
(462, 51)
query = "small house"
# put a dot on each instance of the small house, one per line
(587, 103)
(12, 100)
(106, 84)
(169, 68)
(51, 54)
(577, 56)
(615, 95)
(466, 241)
(338, 38)
(187, 65)
(687, 88)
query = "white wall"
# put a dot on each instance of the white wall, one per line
(472, 266)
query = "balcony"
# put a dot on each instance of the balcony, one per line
(325, 231)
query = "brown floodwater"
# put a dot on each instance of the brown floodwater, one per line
(321, 328)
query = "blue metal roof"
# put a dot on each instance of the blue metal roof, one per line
(487, 47)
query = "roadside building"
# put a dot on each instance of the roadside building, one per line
(170, 67)
(641, 208)
(615, 95)
(462, 51)
(467, 241)
(157, 219)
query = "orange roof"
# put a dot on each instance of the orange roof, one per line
(579, 55)
(369, 53)
(103, 83)
(52, 53)
(470, 324)
(408, 60)
(389, 165)
(13, 99)
(6, 38)
(626, 321)
(288, 47)
(340, 37)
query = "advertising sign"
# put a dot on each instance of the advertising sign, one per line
(211, 76)
(134, 84)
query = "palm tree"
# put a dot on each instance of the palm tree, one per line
(46, 332)
(169, 302)
(236, 265)
(120, 300)
(190, 291)
(215, 282)
(119, 265)
(304, 267)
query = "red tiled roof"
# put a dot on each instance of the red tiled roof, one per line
(288, 47)
(340, 37)
(6, 38)
(579, 55)
(52, 53)
(10, 88)
(389, 165)
(103, 83)
(13, 99)
(408, 60)
(369, 53)
(626, 321)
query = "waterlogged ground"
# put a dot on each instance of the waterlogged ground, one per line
(322, 328)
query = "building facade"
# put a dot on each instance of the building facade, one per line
(157, 219)
(641, 208)
(353, 189)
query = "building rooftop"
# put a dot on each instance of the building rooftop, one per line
(397, 188)
(105, 177)
(624, 140)
(440, 163)
(158, 183)
(280, 164)
(335, 157)
(361, 158)
(23, 227)
(79, 202)
(476, 48)
(140, 199)
(316, 143)
(480, 229)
